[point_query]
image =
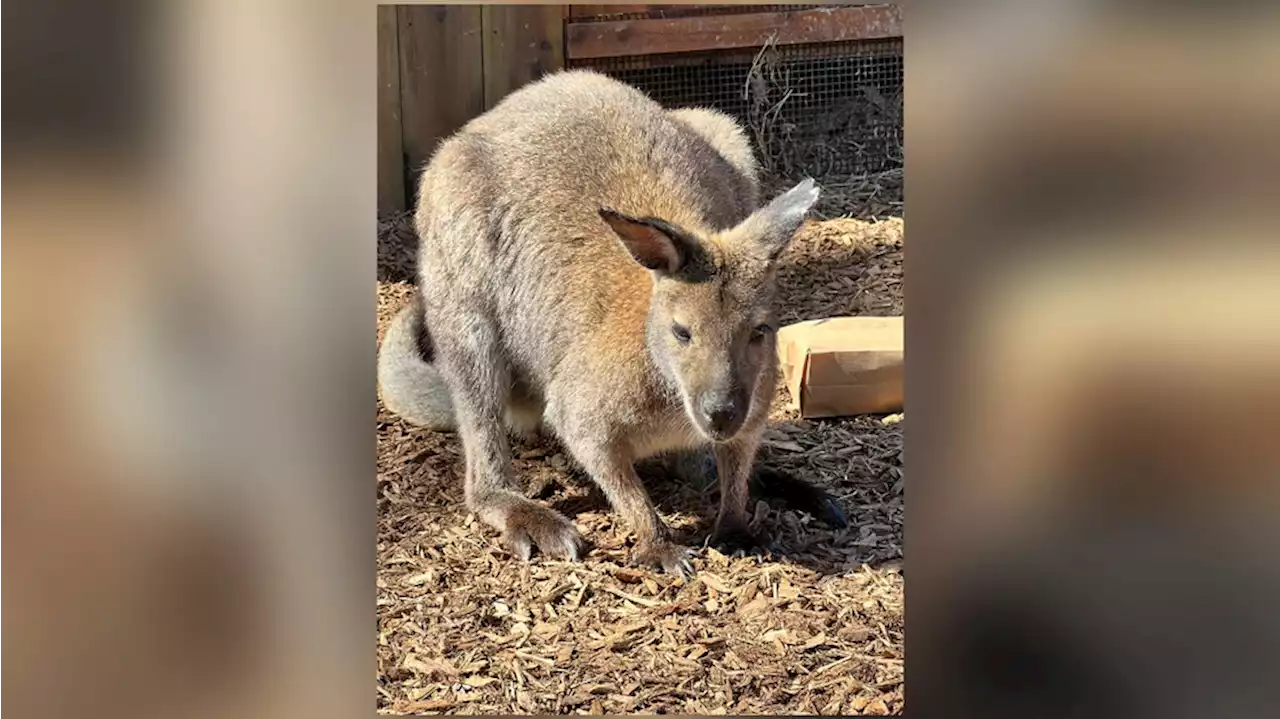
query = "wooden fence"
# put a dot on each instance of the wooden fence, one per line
(441, 65)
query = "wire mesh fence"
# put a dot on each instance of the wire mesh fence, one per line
(832, 109)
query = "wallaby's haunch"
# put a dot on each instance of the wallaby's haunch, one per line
(597, 265)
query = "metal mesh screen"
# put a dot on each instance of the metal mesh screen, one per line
(817, 110)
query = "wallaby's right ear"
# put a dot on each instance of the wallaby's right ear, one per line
(657, 245)
(771, 228)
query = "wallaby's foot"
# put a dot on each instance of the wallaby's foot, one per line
(799, 495)
(735, 537)
(529, 524)
(666, 555)
(768, 484)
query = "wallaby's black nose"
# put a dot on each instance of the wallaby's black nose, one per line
(720, 413)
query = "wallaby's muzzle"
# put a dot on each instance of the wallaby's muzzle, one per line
(721, 415)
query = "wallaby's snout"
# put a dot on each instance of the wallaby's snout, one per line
(723, 413)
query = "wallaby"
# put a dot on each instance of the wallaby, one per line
(598, 266)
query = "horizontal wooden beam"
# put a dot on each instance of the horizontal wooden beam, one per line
(589, 11)
(622, 38)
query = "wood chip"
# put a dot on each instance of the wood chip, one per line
(631, 597)
(714, 582)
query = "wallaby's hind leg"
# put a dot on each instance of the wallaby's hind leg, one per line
(768, 483)
(772, 485)
(473, 366)
(613, 472)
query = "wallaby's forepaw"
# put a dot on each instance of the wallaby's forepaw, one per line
(739, 539)
(668, 556)
(530, 524)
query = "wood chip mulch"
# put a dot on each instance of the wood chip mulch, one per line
(815, 629)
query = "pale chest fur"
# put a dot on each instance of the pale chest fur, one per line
(671, 431)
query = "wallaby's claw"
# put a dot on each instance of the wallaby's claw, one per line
(830, 513)
(534, 525)
(670, 557)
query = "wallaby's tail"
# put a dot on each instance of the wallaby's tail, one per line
(411, 386)
(407, 382)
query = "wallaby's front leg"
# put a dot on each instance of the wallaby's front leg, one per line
(616, 476)
(733, 470)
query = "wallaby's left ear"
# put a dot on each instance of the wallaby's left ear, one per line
(657, 245)
(771, 227)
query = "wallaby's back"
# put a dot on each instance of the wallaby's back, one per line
(509, 206)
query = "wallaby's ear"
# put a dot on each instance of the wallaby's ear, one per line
(658, 245)
(771, 227)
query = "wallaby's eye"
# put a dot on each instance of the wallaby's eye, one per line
(758, 334)
(682, 334)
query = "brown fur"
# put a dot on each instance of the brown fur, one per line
(593, 262)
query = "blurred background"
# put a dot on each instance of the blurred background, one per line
(1092, 273)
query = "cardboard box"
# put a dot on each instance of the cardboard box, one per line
(843, 365)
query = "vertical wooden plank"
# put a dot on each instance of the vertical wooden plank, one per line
(441, 80)
(521, 44)
(391, 174)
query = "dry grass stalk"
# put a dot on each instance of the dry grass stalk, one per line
(794, 145)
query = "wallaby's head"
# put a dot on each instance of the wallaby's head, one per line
(711, 322)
